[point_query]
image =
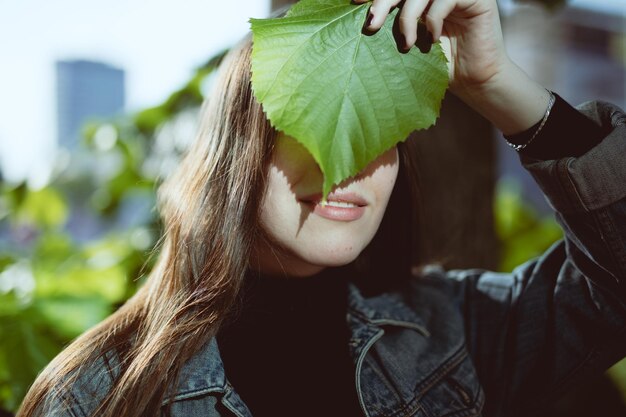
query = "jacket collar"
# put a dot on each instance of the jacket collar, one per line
(388, 308)
(204, 373)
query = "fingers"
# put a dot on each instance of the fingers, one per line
(409, 15)
(438, 11)
(378, 13)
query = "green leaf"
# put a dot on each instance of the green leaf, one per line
(523, 233)
(347, 97)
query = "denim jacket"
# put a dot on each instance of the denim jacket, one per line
(471, 342)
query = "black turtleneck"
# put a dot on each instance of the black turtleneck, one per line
(286, 350)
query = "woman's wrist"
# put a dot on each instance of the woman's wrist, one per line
(511, 100)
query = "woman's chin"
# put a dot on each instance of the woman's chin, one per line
(332, 257)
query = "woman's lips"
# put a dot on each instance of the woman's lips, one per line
(344, 207)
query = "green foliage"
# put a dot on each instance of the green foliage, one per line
(45, 207)
(347, 97)
(522, 232)
(26, 345)
(54, 294)
(617, 373)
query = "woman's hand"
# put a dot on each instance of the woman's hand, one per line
(469, 30)
(481, 72)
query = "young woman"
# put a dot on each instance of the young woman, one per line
(266, 302)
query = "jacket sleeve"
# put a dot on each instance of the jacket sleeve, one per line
(556, 320)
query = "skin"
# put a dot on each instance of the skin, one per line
(299, 243)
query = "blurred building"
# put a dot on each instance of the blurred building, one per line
(578, 51)
(85, 90)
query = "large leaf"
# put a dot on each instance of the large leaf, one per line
(346, 96)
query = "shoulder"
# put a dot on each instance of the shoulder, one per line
(94, 381)
(464, 283)
(200, 389)
(81, 392)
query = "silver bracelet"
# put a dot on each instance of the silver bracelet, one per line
(541, 125)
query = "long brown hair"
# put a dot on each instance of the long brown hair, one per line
(209, 208)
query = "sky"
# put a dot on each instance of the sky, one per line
(158, 43)
(158, 47)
